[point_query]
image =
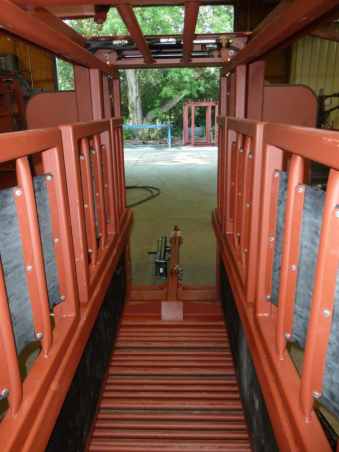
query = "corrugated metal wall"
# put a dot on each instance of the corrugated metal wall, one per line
(315, 63)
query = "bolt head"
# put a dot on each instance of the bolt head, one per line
(241, 150)
(29, 268)
(316, 394)
(228, 74)
(106, 185)
(5, 393)
(18, 192)
(287, 336)
(239, 194)
(49, 178)
(232, 183)
(293, 267)
(326, 313)
(276, 174)
(245, 250)
(300, 190)
(82, 157)
(231, 220)
(39, 336)
(337, 214)
(96, 194)
(108, 221)
(86, 205)
(56, 240)
(271, 239)
(238, 235)
(90, 251)
(247, 205)
(268, 297)
(63, 298)
(93, 152)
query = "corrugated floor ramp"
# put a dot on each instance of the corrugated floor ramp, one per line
(171, 385)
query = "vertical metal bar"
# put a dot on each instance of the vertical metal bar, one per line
(185, 124)
(169, 138)
(99, 190)
(323, 298)
(223, 95)
(192, 125)
(109, 182)
(96, 93)
(122, 167)
(216, 123)
(290, 246)
(83, 93)
(86, 175)
(116, 98)
(208, 123)
(40, 306)
(246, 200)
(54, 163)
(239, 158)
(255, 92)
(273, 159)
(240, 90)
(10, 368)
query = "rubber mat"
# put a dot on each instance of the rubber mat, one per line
(171, 387)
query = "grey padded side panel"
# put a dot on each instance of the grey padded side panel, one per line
(279, 235)
(13, 268)
(46, 237)
(308, 255)
(330, 388)
(93, 191)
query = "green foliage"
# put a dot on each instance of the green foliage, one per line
(160, 86)
(65, 75)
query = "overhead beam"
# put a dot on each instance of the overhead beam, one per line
(129, 18)
(57, 24)
(190, 22)
(45, 3)
(298, 19)
(326, 34)
(22, 24)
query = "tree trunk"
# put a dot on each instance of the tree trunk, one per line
(134, 96)
(165, 108)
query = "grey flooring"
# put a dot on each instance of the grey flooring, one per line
(187, 178)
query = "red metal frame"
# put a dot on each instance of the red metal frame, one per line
(208, 105)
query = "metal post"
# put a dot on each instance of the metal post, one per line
(169, 139)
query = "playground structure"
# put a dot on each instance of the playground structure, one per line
(189, 137)
(154, 126)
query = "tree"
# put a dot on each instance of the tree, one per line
(150, 94)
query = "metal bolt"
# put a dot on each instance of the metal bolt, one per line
(90, 251)
(268, 297)
(100, 235)
(96, 194)
(39, 336)
(316, 394)
(29, 268)
(5, 393)
(271, 239)
(56, 240)
(245, 250)
(106, 185)
(337, 214)
(231, 52)
(231, 220)
(63, 298)
(300, 190)
(49, 177)
(228, 74)
(276, 174)
(93, 152)
(239, 194)
(82, 157)
(293, 267)
(18, 192)
(232, 183)
(108, 221)
(86, 205)
(247, 205)
(287, 336)
(326, 313)
(103, 146)
(106, 56)
(241, 150)
(238, 235)
(250, 156)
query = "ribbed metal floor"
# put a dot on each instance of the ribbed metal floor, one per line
(171, 387)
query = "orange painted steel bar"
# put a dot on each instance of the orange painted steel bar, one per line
(190, 21)
(239, 188)
(82, 206)
(25, 400)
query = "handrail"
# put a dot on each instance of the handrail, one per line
(268, 326)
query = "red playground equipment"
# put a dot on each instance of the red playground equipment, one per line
(209, 141)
